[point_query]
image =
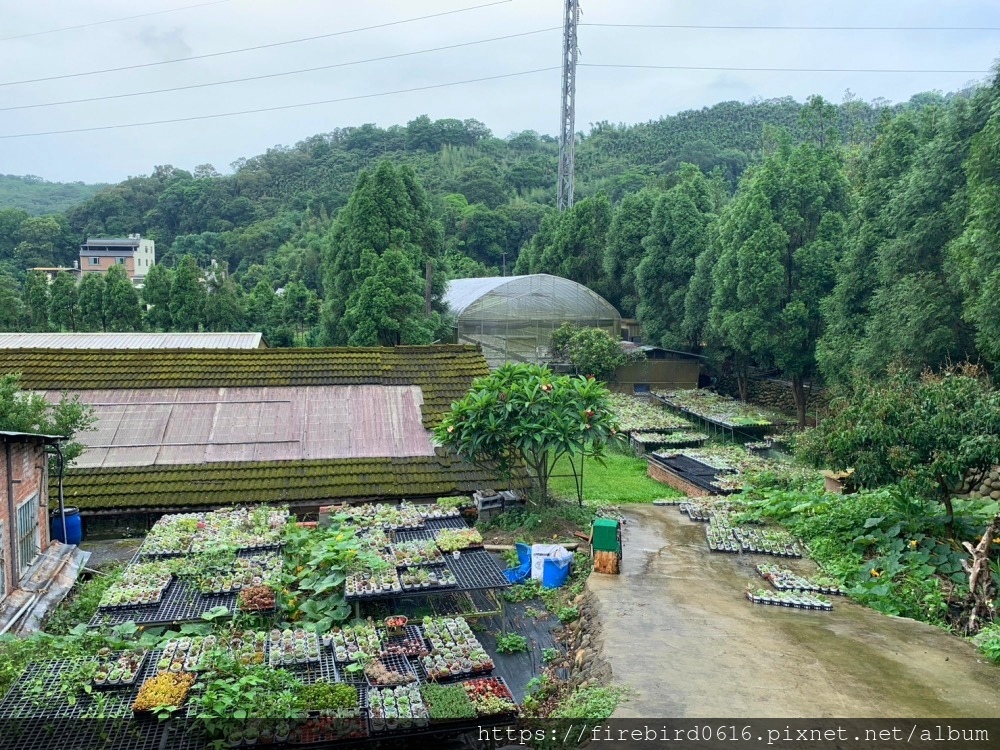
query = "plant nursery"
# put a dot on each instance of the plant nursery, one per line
(234, 629)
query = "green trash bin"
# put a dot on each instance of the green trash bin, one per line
(605, 536)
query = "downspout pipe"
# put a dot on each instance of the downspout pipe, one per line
(62, 503)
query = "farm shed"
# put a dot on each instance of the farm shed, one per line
(512, 317)
(661, 369)
(190, 428)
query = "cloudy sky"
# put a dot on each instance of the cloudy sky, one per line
(204, 29)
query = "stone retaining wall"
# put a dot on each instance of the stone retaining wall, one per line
(583, 642)
(772, 394)
(988, 488)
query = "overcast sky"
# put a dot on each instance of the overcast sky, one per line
(529, 102)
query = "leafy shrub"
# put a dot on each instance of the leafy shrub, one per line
(988, 641)
(568, 614)
(511, 643)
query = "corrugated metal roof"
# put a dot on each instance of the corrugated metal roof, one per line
(154, 427)
(130, 340)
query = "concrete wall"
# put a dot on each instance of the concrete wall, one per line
(658, 374)
(30, 477)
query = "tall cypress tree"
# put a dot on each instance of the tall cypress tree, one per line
(780, 239)
(156, 297)
(388, 208)
(36, 302)
(92, 302)
(677, 237)
(11, 307)
(64, 302)
(121, 301)
(187, 296)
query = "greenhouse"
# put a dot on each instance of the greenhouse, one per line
(512, 318)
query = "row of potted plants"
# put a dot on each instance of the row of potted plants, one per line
(245, 571)
(257, 599)
(455, 650)
(163, 691)
(260, 527)
(350, 641)
(720, 409)
(388, 672)
(289, 647)
(115, 670)
(397, 708)
(638, 414)
(450, 540)
(490, 697)
(413, 579)
(765, 542)
(372, 583)
(384, 515)
(417, 552)
(785, 580)
(447, 702)
(721, 540)
(795, 600)
(122, 595)
(676, 439)
(696, 512)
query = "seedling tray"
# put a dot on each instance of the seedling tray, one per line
(773, 602)
(451, 678)
(413, 633)
(398, 663)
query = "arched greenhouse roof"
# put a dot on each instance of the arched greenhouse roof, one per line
(537, 296)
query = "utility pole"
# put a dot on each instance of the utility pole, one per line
(567, 122)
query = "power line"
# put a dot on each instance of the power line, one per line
(778, 70)
(280, 107)
(259, 46)
(279, 75)
(789, 28)
(112, 20)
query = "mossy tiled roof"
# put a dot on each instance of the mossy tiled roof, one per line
(273, 481)
(444, 373)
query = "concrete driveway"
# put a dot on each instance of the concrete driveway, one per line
(681, 636)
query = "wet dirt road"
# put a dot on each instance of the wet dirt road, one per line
(681, 636)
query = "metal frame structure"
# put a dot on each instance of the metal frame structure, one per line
(567, 119)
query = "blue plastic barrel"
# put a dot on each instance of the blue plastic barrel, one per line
(554, 573)
(74, 527)
(523, 553)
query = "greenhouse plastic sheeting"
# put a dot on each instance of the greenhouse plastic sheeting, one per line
(512, 318)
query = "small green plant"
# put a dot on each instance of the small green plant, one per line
(447, 702)
(988, 641)
(568, 614)
(596, 703)
(511, 643)
(549, 655)
(522, 592)
(535, 614)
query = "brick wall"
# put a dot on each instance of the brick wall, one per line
(661, 474)
(30, 477)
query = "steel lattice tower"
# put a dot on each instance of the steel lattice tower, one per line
(567, 123)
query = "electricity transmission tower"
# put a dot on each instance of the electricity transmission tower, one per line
(567, 123)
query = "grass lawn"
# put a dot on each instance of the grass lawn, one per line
(621, 480)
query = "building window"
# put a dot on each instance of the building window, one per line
(3, 565)
(120, 261)
(28, 543)
(94, 260)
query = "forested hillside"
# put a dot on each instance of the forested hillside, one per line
(822, 240)
(36, 196)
